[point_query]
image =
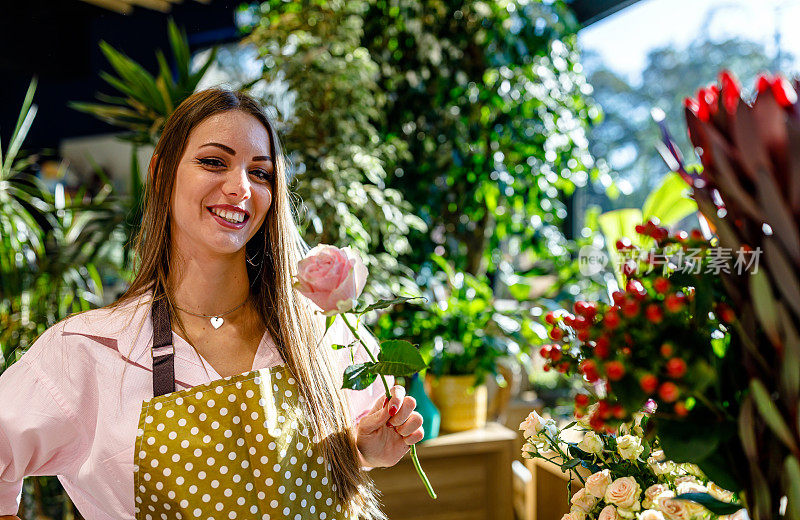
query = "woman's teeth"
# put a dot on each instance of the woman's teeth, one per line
(230, 216)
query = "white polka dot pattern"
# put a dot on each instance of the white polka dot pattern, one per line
(236, 448)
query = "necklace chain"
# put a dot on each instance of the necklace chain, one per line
(210, 315)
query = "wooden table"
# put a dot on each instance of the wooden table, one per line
(470, 472)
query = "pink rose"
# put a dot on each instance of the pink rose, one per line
(651, 493)
(332, 278)
(651, 514)
(597, 483)
(673, 509)
(532, 425)
(624, 493)
(608, 513)
(582, 501)
(574, 515)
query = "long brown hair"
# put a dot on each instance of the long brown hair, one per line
(286, 314)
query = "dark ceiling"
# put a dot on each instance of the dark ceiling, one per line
(57, 41)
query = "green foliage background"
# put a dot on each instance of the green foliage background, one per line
(491, 101)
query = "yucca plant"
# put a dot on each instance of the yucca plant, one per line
(147, 100)
(749, 192)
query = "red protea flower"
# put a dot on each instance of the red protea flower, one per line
(749, 193)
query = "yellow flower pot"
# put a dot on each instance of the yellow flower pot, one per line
(462, 407)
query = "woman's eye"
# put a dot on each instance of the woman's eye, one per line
(211, 162)
(261, 174)
(216, 163)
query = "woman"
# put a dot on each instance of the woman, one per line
(237, 413)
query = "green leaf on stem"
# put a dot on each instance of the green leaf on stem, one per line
(399, 358)
(570, 464)
(717, 507)
(329, 321)
(382, 304)
(359, 377)
(336, 346)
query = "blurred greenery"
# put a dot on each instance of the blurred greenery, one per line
(490, 98)
(147, 103)
(50, 246)
(491, 101)
(148, 100)
(461, 329)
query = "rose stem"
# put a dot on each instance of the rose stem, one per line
(413, 447)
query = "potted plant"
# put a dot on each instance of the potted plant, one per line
(463, 336)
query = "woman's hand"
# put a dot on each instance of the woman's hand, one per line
(390, 427)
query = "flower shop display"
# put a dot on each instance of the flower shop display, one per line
(623, 475)
(665, 345)
(706, 332)
(333, 279)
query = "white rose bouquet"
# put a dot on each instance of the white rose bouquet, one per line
(625, 475)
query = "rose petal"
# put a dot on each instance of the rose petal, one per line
(332, 278)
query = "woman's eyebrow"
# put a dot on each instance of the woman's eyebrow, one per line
(233, 152)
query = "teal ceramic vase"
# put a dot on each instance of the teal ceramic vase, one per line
(431, 418)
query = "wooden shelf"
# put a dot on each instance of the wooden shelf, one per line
(470, 472)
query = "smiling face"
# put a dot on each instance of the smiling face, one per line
(223, 185)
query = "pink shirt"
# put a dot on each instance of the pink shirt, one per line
(69, 411)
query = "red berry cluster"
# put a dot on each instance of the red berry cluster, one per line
(639, 347)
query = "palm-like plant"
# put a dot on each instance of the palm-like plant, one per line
(49, 246)
(148, 100)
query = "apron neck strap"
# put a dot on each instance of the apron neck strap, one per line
(162, 351)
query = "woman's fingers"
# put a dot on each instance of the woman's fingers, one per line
(398, 393)
(402, 415)
(415, 437)
(411, 425)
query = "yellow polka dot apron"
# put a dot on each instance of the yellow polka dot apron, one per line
(236, 448)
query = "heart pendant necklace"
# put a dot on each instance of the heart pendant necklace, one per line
(216, 319)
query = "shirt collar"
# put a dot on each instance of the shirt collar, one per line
(128, 323)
